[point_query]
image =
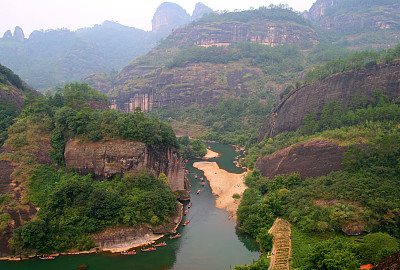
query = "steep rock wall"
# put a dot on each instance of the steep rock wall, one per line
(106, 159)
(289, 114)
(201, 84)
(310, 159)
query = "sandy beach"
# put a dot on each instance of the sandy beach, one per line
(211, 154)
(224, 185)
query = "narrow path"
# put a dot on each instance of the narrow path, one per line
(281, 249)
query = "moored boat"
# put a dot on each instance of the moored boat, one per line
(195, 176)
(132, 252)
(186, 211)
(203, 183)
(190, 205)
(47, 257)
(162, 244)
(174, 236)
(149, 249)
(186, 222)
(198, 191)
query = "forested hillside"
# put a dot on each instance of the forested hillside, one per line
(73, 206)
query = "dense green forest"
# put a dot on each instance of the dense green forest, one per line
(366, 191)
(73, 206)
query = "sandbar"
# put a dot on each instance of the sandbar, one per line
(211, 154)
(223, 184)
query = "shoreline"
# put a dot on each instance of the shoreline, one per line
(143, 240)
(223, 184)
(211, 154)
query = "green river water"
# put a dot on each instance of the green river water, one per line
(209, 241)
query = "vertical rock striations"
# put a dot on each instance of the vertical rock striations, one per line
(115, 157)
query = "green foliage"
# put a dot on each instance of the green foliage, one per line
(7, 75)
(334, 254)
(191, 149)
(376, 247)
(235, 121)
(7, 114)
(356, 61)
(279, 63)
(73, 206)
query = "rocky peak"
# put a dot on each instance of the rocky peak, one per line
(19, 34)
(7, 34)
(169, 16)
(200, 10)
(317, 10)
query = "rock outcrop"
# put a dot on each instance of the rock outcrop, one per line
(169, 16)
(310, 159)
(119, 238)
(19, 34)
(117, 156)
(289, 114)
(7, 34)
(199, 10)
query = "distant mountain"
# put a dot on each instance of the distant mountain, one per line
(52, 57)
(358, 24)
(212, 58)
(170, 16)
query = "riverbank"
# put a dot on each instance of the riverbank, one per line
(211, 154)
(120, 238)
(223, 185)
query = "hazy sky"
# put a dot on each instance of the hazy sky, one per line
(73, 14)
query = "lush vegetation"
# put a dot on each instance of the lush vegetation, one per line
(272, 12)
(357, 60)
(191, 149)
(7, 114)
(279, 63)
(7, 75)
(365, 192)
(72, 207)
(235, 121)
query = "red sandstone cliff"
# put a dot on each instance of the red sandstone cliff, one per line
(289, 114)
(106, 159)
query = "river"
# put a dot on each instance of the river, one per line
(208, 242)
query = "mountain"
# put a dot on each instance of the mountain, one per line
(209, 59)
(358, 24)
(169, 16)
(50, 58)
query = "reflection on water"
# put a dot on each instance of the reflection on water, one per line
(208, 242)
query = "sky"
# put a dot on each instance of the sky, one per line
(33, 15)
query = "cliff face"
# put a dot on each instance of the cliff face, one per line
(106, 159)
(201, 84)
(310, 159)
(263, 31)
(200, 10)
(289, 114)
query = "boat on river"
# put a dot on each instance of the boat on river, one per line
(186, 222)
(133, 252)
(149, 249)
(47, 257)
(202, 179)
(198, 191)
(186, 211)
(174, 236)
(190, 205)
(162, 244)
(203, 183)
(195, 176)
